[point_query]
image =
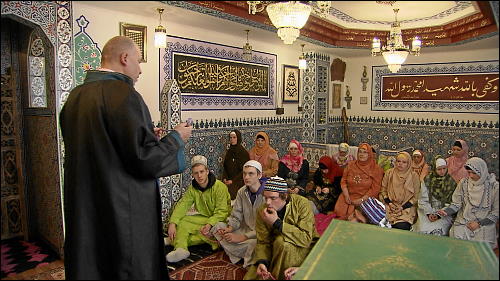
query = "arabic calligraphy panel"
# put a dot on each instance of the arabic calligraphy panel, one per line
(456, 87)
(215, 77)
(441, 87)
(200, 75)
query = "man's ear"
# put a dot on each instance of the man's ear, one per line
(124, 58)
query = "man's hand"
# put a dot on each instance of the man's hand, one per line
(473, 225)
(158, 132)
(223, 231)
(318, 189)
(171, 231)
(234, 238)
(262, 272)
(325, 190)
(205, 230)
(269, 215)
(184, 131)
(432, 217)
(290, 272)
(442, 213)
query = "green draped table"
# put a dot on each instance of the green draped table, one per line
(360, 251)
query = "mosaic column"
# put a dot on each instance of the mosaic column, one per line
(170, 108)
(309, 93)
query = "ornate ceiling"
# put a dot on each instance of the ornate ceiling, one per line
(353, 24)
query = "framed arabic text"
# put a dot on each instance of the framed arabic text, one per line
(291, 78)
(215, 77)
(446, 87)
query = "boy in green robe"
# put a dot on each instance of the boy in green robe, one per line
(285, 232)
(212, 202)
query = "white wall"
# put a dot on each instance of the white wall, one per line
(104, 17)
(104, 24)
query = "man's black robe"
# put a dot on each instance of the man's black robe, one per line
(112, 205)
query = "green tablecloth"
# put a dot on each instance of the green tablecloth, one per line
(359, 251)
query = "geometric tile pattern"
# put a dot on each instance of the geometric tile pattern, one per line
(432, 136)
(55, 21)
(170, 108)
(87, 54)
(36, 76)
(309, 98)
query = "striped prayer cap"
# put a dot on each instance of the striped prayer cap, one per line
(276, 184)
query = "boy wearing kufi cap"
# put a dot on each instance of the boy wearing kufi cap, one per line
(237, 236)
(285, 231)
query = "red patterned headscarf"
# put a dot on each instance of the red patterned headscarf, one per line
(294, 163)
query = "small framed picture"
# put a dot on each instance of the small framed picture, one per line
(336, 93)
(291, 79)
(138, 34)
(363, 100)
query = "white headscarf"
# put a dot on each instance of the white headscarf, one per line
(476, 188)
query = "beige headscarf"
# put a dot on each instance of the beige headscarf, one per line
(401, 178)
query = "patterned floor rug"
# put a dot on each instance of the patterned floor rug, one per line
(214, 267)
(19, 255)
(197, 253)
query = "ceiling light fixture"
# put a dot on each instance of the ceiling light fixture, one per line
(302, 59)
(396, 51)
(247, 49)
(160, 33)
(289, 17)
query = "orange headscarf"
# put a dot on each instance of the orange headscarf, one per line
(369, 166)
(262, 154)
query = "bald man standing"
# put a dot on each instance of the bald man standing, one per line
(112, 207)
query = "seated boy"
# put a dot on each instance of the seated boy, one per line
(211, 200)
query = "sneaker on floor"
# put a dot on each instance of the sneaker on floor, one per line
(178, 255)
(167, 241)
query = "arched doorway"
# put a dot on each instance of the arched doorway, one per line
(31, 194)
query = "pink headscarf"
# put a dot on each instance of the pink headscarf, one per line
(294, 163)
(456, 163)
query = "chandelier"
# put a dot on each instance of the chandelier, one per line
(289, 17)
(247, 49)
(396, 51)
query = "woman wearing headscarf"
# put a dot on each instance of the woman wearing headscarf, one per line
(326, 188)
(265, 154)
(435, 193)
(235, 157)
(361, 179)
(400, 188)
(294, 168)
(456, 162)
(418, 164)
(475, 201)
(342, 157)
